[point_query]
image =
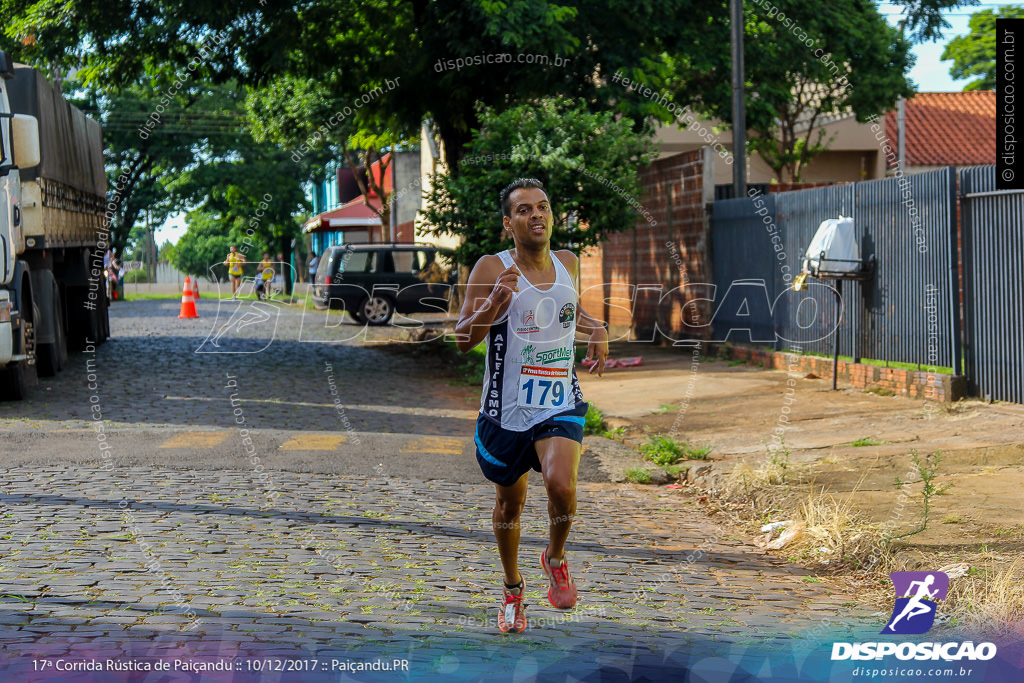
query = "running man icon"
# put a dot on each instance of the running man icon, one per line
(916, 595)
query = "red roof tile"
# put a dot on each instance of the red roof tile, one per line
(948, 128)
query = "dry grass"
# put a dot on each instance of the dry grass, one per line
(772, 470)
(988, 599)
(839, 536)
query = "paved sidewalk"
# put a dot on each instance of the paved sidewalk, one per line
(374, 566)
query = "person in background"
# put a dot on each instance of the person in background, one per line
(234, 262)
(278, 281)
(264, 272)
(313, 263)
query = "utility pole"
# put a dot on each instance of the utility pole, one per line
(739, 115)
(901, 121)
(151, 251)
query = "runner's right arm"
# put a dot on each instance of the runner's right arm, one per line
(487, 295)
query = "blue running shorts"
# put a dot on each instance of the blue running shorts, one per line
(505, 455)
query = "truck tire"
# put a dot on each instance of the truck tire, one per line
(16, 378)
(51, 357)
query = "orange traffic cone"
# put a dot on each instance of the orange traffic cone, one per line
(195, 289)
(188, 302)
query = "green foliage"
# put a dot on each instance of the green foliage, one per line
(593, 422)
(471, 365)
(614, 434)
(922, 19)
(928, 470)
(665, 450)
(675, 471)
(865, 71)
(297, 66)
(135, 277)
(164, 253)
(866, 441)
(777, 467)
(204, 245)
(638, 475)
(300, 115)
(572, 151)
(974, 54)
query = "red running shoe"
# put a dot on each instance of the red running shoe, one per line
(562, 593)
(512, 616)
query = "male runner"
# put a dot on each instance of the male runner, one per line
(524, 302)
(264, 273)
(234, 262)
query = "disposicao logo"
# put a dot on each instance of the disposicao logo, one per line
(917, 596)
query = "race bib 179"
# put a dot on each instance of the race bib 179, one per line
(541, 387)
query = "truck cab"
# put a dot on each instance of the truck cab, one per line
(52, 197)
(19, 137)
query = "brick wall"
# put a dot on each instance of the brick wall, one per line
(912, 383)
(629, 278)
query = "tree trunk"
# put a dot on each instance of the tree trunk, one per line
(455, 141)
(286, 251)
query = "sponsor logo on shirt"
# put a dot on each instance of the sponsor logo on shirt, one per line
(554, 356)
(567, 314)
(528, 324)
(527, 355)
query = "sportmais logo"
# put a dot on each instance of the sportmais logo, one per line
(527, 354)
(554, 356)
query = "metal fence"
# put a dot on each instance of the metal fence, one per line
(903, 313)
(992, 226)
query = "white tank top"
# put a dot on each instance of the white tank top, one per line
(530, 375)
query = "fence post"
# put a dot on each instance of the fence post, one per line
(955, 291)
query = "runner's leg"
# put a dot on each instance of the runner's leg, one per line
(559, 462)
(508, 506)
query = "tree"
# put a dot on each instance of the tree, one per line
(975, 53)
(253, 198)
(203, 245)
(296, 113)
(922, 19)
(803, 62)
(586, 161)
(164, 253)
(154, 131)
(176, 143)
(435, 48)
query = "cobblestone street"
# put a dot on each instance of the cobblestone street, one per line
(324, 551)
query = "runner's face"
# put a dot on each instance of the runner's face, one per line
(531, 218)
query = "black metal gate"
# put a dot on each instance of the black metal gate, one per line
(993, 259)
(904, 313)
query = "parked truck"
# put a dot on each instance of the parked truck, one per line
(52, 231)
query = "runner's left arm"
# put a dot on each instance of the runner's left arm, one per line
(592, 329)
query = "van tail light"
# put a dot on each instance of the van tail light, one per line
(328, 280)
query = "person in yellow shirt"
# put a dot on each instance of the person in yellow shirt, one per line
(234, 262)
(264, 272)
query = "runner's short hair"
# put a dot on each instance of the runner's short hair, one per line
(518, 184)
